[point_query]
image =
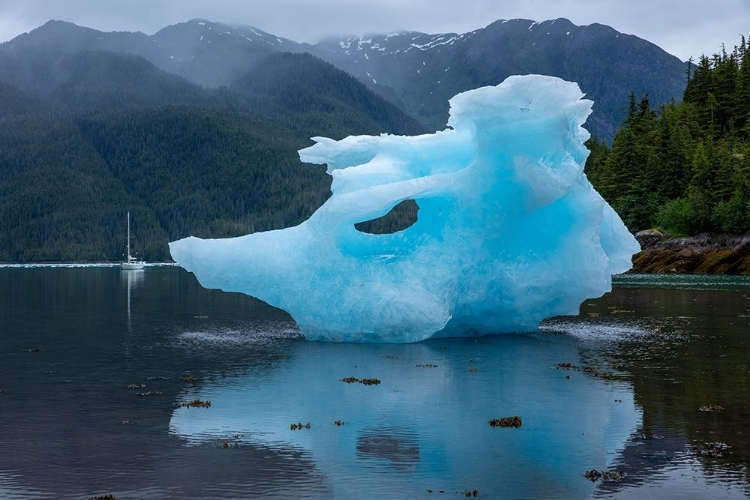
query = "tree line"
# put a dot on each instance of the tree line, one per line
(684, 168)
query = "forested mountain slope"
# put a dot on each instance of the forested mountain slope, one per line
(118, 134)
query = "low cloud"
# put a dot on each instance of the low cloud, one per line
(682, 27)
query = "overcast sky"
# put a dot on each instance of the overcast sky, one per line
(682, 27)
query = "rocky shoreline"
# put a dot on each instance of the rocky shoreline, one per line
(701, 254)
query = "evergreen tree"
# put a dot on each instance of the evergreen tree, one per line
(685, 168)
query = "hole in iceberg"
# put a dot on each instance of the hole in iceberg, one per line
(399, 218)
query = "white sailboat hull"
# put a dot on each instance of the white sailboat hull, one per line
(131, 266)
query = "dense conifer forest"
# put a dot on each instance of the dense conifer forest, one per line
(684, 168)
(121, 135)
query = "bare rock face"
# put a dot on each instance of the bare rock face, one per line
(648, 237)
(701, 254)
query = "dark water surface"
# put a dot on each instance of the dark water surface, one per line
(95, 362)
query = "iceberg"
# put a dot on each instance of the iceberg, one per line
(509, 230)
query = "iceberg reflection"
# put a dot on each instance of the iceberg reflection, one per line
(425, 426)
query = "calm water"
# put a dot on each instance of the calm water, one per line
(94, 363)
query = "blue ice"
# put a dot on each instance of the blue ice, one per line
(509, 230)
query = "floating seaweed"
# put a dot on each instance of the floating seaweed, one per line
(2, 391)
(598, 374)
(150, 393)
(339, 423)
(36, 349)
(151, 379)
(514, 421)
(595, 475)
(103, 497)
(473, 370)
(711, 408)
(426, 365)
(129, 422)
(364, 381)
(712, 450)
(471, 493)
(135, 386)
(299, 426)
(567, 366)
(188, 378)
(196, 403)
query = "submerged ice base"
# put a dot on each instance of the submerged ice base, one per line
(509, 230)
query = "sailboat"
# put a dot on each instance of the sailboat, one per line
(131, 264)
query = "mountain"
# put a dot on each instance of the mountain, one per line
(119, 134)
(427, 70)
(206, 53)
(302, 86)
(99, 80)
(417, 72)
(195, 129)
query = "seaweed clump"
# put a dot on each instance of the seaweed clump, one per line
(196, 403)
(364, 381)
(711, 408)
(595, 475)
(299, 426)
(712, 450)
(598, 374)
(514, 421)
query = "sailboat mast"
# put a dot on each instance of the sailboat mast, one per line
(128, 256)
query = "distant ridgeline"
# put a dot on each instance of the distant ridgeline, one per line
(684, 168)
(195, 129)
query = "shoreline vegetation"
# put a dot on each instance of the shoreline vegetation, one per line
(685, 167)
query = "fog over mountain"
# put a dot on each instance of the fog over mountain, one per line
(416, 71)
(666, 22)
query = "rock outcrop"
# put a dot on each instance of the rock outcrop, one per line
(701, 254)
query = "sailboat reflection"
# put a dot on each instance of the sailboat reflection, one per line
(425, 426)
(132, 279)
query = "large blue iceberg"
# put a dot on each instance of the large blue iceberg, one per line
(509, 230)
